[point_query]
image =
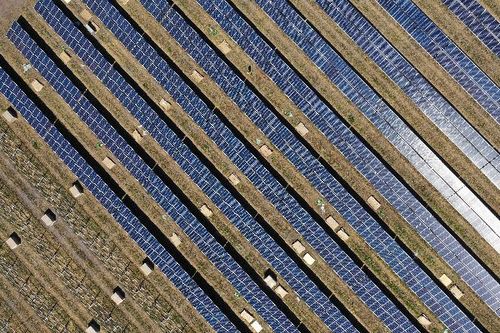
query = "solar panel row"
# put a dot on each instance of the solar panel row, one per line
(100, 189)
(247, 162)
(462, 69)
(151, 182)
(447, 183)
(446, 53)
(479, 20)
(353, 149)
(273, 128)
(200, 174)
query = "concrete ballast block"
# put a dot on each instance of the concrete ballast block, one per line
(373, 203)
(108, 163)
(76, 189)
(36, 85)
(10, 115)
(85, 14)
(176, 241)
(118, 295)
(256, 326)
(270, 281)
(456, 292)
(308, 259)
(332, 223)
(224, 47)
(424, 321)
(197, 76)
(445, 280)
(246, 316)
(93, 327)
(13, 241)
(92, 27)
(301, 129)
(265, 150)
(281, 291)
(234, 179)
(65, 57)
(343, 235)
(165, 105)
(298, 247)
(147, 266)
(206, 211)
(49, 218)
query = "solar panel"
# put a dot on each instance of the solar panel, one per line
(158, 254)
(236, 151)
(199, 173)
(163, 195)
(407, 142)
(351, 147)
(479, 20)
(446, 53)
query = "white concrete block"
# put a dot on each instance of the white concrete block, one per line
(224, 47)
(197, 76)
(424, 321)
(298, 247)
(234, 179)
(343, 235)
(456, 292)
(373, 203)
(265, 150)
(13, 241)
(301, 129)
(281, 291)
(308, 259)
(445, 280)
(270, 281)
(49, 218)
(93, 327)
(246, 316)
(10, 115)
(206, 211)
(76, 189)
(147, 266)
(118, 295)
(176, 241)
(65, 57)
(165, 105)
(332, 223)
(37, 85)
(108, 163)
(256, 326)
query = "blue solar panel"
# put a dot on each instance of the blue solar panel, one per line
(250, 165)
(200, 174)
(353, 149)
(340, 135)
(167, 14)
(158, 190)
(449, 185)
(479, 20)
(158, 254)
(446, 53)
